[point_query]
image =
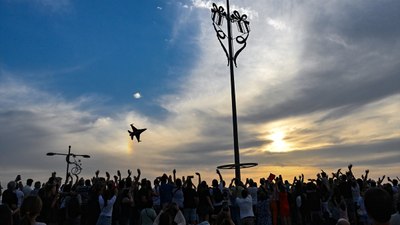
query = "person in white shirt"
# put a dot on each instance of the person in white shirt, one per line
(252, 189)
(20, 194)
(106, 201)
(28, 187)
(245, 204)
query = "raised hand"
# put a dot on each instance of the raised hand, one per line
(381, 180)
(129, 173)
(97, 173)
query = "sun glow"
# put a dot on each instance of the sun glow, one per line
(129, 146)
(278, 142)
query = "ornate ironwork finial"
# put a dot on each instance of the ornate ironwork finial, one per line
(218, 15)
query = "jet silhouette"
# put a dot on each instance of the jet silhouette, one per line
(136, 132)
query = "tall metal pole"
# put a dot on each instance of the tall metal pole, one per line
(233, 94)
(218, 15)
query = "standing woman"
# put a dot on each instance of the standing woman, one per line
(50, 200)
(106, 201)
(264, 216)
(284, 208)
(177, 194)
(205, 206)
(30, 209)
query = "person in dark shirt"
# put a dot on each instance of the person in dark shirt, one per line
(165, 191)
(10, 199)
(190, 202)
(378, 204)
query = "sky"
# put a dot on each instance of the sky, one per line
(317, 87)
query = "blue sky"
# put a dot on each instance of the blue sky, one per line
(317, 87)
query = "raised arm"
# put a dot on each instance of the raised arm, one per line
(350, 166)
(246, 185)
(108, 176)
(366, 176)
(199, 177)
(231, 184)
(139, 173)
(137, 178)
(380, 180)
(119, 175)
(219, 175)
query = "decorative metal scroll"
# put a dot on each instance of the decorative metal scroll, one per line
(77, 165)
(218, 15)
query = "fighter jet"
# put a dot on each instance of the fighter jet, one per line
(136, 132)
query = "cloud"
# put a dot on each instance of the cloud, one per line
(325, 76)
(137, 95)
(304, 71)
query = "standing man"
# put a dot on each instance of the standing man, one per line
(28, 187)
(245, 204)
(10, 199)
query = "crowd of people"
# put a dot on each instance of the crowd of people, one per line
(337, 198)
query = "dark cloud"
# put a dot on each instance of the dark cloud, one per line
(349, 59)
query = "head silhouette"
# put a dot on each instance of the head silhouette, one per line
(378, 204)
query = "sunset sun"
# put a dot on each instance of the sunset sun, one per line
(278, 142)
